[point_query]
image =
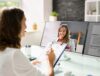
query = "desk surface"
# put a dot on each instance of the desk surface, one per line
(78, 65)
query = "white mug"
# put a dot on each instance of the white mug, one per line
(67, 73)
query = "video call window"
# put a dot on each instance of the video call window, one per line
(77, 29)
(84, 35)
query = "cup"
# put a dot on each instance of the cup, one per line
(68, 73)
(28, 51)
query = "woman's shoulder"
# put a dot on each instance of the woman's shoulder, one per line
(11, 50)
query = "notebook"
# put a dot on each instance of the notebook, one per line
(58, 50)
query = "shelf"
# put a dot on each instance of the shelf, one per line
(92, 10)
(92, 15)
(90, 18)
(99, 18)
(99, 8)
(90, 0)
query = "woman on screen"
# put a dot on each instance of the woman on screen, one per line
(12, 61)
(63, 37)
(63, 34)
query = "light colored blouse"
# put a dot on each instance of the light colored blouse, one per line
(70, 46)
(14, 63)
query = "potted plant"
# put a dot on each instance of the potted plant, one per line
(53, 16)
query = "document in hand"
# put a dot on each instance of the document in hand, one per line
(58, 50)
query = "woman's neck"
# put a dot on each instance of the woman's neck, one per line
(60, 41)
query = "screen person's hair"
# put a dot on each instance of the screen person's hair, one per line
(66, 37)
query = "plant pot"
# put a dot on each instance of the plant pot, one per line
(35, 26)
(53, 18)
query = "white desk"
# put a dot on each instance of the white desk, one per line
(79, 65)
(39, 53)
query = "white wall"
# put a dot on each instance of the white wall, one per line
(33, 37)
(33, 11)
(36, 11)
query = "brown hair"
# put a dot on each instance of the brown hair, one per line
(66, 37)
(10, 28)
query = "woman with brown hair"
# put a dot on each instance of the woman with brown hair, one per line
(64, 37)
(12, 61)
(63, 34)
